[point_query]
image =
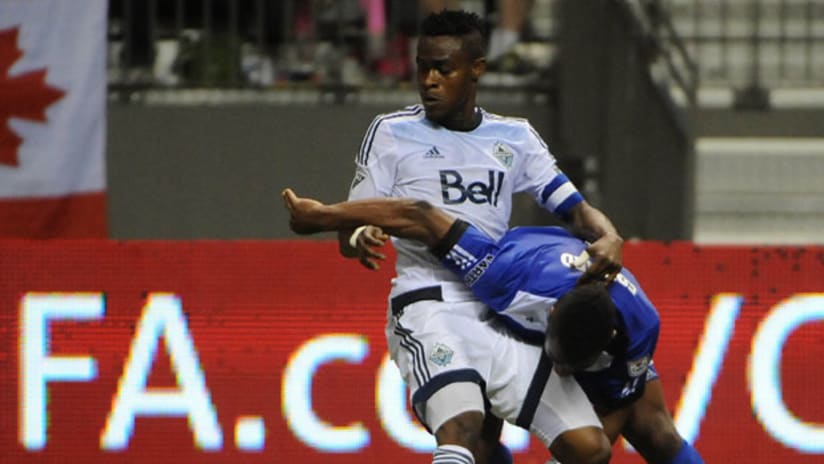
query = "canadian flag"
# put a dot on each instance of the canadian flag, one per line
(52, 118)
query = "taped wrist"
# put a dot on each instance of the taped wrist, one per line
(353, 239)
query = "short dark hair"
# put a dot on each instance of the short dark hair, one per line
(457, 23)
(583, 321)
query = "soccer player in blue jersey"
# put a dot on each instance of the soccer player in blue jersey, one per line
(604, 333)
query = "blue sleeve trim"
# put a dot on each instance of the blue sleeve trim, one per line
(552, 186)
(566, 206)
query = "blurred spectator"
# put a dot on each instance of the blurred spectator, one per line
(387, 57)
(351, 42)
(510, 19)
(137, 52)
(375, 11)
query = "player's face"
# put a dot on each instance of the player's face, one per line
(447, 79)
(561, 361)
(562, 364)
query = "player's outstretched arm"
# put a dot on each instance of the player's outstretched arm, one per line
(606, 246)
(400, 217)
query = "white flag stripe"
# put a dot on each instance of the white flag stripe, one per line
(64, 154)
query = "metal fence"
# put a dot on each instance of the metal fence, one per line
(744, 43)
(258, 43)
(264, 43)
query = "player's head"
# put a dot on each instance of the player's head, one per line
(450, 61)
(581, 325)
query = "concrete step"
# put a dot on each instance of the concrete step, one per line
(759, 190)
(783, 122)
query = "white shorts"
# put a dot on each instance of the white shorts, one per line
(436, 343)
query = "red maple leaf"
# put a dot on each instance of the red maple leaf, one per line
(23, 96)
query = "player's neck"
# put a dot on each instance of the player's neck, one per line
(464, 121)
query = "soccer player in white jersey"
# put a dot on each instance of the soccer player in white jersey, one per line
(605, 335)
(469, 162)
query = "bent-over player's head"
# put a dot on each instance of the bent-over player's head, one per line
(449, 63)
(581, 325)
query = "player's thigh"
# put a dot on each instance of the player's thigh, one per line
(614, 422)
(650, 428)
(453, 412)
(560, 407)
(438, 345)
(434, 337)
(524, 390)
(514, 366)
(463, 429)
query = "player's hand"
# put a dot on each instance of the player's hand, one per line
(371, 238)
(607, 259)
(302, 219)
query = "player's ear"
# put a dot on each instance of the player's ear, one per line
(478, 68)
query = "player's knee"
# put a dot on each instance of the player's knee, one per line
(655, 436)
(664, 441)
(597, 450)
(588, 445)
(490, 444)
(463, 429)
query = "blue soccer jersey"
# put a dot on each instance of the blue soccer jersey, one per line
(527, 271)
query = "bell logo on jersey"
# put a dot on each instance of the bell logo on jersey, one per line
(455, 192)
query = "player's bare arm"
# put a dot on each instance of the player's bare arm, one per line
(606, 246)
(401, 217)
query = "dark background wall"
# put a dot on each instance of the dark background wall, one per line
(621, 122)
(187, 172)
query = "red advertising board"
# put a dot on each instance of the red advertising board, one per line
(273, 351)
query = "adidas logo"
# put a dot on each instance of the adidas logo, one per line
(433, 153)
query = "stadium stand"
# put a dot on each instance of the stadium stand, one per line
(744, 79)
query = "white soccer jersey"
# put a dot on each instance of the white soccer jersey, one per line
(472, 175)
